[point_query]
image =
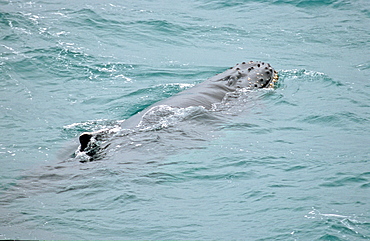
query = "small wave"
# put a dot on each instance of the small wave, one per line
(347, 180)
(92, 126)
(307, 3)
(211, 5)
(345, 226)
(332, 103)
(363, 66)
(303, 75)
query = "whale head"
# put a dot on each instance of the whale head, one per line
(252, 74)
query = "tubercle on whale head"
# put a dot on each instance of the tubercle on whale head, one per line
(252, 74)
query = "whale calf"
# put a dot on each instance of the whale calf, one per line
(247, 75)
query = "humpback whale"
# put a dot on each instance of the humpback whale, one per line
(246, 75)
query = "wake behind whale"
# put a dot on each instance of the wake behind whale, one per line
(199, 104)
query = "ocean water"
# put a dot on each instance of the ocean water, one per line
(289, 163)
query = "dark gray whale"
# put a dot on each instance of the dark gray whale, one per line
(247, 75)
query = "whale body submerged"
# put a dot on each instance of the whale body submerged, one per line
(247, 75)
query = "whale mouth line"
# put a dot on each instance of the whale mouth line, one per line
(274, 80)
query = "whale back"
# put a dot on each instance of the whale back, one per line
(249, 75)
